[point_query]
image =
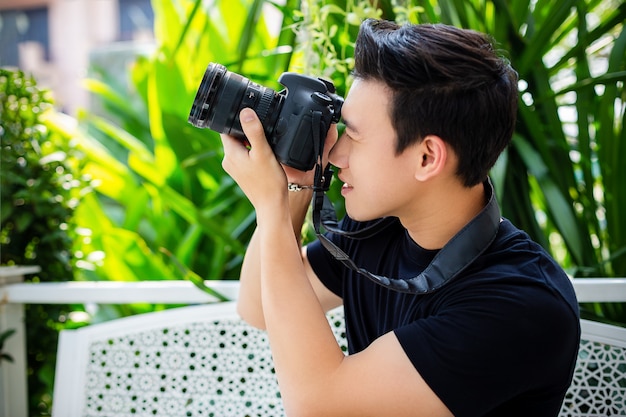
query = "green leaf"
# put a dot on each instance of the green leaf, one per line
(5, 335)
(563, 214)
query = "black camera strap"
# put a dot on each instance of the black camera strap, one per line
(456, 255)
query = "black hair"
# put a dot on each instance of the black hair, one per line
(445, 81)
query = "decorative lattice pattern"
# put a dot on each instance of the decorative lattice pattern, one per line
(215, 369)
(197, 369)
(599, 385)
(224, 368)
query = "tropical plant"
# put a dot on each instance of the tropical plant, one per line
(164, 210)
(165, 200)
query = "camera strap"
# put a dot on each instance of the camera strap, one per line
(456, 255)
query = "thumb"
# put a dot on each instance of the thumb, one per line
(252, 127)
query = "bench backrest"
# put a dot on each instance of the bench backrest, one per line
(204, 361)
(599, 385)
(189, 361)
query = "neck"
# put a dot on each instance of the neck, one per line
(443, 210)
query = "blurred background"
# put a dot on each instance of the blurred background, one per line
(103, 178)
(57, 40)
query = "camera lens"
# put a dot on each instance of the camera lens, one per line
(221, 96)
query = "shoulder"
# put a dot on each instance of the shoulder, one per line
(514, 253)
(515, 263)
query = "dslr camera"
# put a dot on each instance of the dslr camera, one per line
(293, 119)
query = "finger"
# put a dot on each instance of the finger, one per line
(232, 146)
(230, 150)
(253, 129)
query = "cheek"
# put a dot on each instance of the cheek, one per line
(388, 180)
(375, 192)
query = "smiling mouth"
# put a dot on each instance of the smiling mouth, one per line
(346, 185)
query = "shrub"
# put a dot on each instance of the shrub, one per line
(39, 194)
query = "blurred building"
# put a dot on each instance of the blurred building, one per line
(57, 40)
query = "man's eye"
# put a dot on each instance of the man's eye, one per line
(351, 138)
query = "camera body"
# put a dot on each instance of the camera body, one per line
(293, 140)
(293, 119)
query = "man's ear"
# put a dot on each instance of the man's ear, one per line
(432, 153)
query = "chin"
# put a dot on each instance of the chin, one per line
(361, 216)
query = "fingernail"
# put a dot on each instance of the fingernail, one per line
(247, 115)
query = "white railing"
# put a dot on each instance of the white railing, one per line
(14, 294)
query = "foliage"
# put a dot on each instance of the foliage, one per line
(39, 195)
(164, 207)
(163, 190)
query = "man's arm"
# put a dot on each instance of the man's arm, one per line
(249, 303)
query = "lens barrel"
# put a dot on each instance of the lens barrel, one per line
(221, 96)
(295, 120)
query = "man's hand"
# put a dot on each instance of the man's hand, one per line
(256, 169)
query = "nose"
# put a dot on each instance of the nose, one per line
(338, 154)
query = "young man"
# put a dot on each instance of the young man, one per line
(479, 321)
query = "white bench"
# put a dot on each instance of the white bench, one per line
(204, 361)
